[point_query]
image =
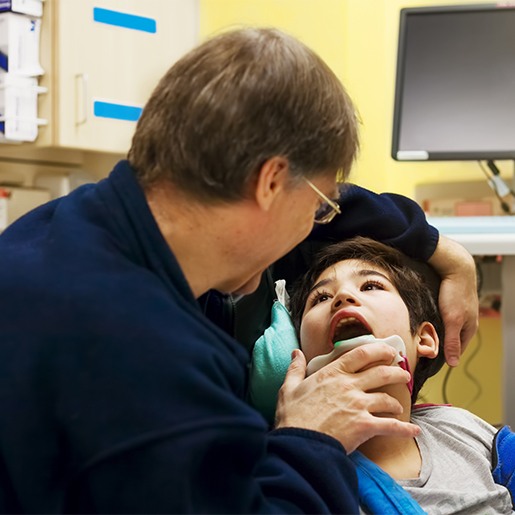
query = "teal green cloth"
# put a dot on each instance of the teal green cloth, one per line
(270, 360)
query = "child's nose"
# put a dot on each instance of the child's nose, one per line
(343, 299)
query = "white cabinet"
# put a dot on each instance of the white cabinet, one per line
(102, 60)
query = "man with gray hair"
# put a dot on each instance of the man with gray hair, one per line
(120, 391)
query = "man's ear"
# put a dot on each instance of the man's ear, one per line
(428, 343)
(271, 180)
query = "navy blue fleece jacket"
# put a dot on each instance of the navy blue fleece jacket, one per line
(118, 395)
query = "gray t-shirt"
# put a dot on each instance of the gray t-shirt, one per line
(456, 473)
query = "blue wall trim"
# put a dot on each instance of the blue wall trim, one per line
(127, 21)
(116, 111)
(5, 5)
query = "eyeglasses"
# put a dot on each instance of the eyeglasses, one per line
(328, 210)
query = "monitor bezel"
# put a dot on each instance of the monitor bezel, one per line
(397, 110)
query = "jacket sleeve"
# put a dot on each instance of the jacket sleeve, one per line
(185, 442)
(390, 218)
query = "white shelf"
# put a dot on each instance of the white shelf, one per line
(480, 235)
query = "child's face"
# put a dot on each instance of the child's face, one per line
(352, 298)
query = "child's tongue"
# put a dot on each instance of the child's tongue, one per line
(343, 346)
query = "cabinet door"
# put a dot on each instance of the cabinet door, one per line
(110, 55)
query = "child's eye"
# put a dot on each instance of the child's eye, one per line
(318, 297)
(372, 285)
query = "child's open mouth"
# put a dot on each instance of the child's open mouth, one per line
(349, 327)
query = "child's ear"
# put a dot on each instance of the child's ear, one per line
(427, 345)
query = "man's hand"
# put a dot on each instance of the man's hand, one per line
(458, 301)
(339, 400)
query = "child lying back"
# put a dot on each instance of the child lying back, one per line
(360, 291)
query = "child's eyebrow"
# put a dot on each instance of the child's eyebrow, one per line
(366, 273)
(359, 273)
(321, 283)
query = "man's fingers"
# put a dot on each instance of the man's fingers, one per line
(364, 357)
(380, 403)
(295, 375)
(394, 427)
(296, 371)
(452, 346)
(458, 334)
(380, 376)
(468, 331)
(343, 403)
(458, 300)
(371, 426)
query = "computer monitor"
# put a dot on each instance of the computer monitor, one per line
(455, 83)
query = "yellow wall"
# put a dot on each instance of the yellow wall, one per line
(476, 383)
(358, 39)
(318, 23)
(372, 28)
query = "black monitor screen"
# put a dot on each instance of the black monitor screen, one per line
(455, 87)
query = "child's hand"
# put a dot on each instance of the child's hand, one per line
(339, 400)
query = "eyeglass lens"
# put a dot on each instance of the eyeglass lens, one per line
(323, 212)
